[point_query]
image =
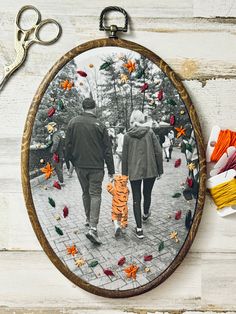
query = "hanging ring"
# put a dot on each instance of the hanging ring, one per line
(113, 29)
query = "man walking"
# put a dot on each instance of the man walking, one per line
(87, 147)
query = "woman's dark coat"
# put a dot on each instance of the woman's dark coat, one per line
(142, 154)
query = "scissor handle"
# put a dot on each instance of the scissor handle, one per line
(26, 8)
(35, 28)
(40, 25)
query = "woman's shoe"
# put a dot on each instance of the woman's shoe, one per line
(145, 217)
(86, 223)
(139, 233)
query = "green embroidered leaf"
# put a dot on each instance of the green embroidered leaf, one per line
(105, 66)
(93, 264)
(189, 147)
(172, 102)
(51, 202)
(58, 230)
(60, 105)
(161, 246)
(176, 195)
(140, 73)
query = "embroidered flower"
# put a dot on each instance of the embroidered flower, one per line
(130, 66)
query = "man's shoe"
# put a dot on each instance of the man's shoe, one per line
(92, 235)
(145, 217)
(139, 234)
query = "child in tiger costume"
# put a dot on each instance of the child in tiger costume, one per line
(120, 193)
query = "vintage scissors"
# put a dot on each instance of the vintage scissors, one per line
(24, 38)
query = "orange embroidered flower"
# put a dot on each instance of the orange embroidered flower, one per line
(131, 271)
(181, 131)
(72, 250)
(67, 85)
(130, 66)
(47, 170)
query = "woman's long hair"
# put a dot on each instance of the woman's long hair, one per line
(136, 116)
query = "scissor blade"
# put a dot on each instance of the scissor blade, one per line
(3, 82)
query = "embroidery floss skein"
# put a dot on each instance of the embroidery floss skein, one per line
(224, 194)
(225, 139)
(231, 163)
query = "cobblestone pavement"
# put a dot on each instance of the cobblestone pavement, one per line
(158, 228)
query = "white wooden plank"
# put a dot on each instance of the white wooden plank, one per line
(219, 280)
(162, 8)
(215, 103)
(179, 42)
(214, 8)
(16, 232)
(215, 234)
(38, 283)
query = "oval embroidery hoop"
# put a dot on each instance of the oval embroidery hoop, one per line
(112, 41)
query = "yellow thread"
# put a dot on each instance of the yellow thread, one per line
(224, 194)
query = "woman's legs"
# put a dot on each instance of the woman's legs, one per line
(147, 193)
(136, 191)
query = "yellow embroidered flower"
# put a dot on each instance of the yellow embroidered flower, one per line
(174, 235)
(124, 78)
(80, 262)
(191, 166)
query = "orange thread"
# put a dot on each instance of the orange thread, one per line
(226, 139)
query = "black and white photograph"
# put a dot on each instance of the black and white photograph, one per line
(114, 169)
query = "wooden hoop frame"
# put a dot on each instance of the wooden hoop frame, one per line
(25, 165)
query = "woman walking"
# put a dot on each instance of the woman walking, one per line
(142, 162)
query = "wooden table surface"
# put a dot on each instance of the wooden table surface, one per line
(198, 40)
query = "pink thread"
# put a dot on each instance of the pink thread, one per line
(231, 163)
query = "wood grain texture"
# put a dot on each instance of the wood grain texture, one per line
(202, 51)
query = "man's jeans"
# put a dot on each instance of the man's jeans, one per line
(91, 184)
